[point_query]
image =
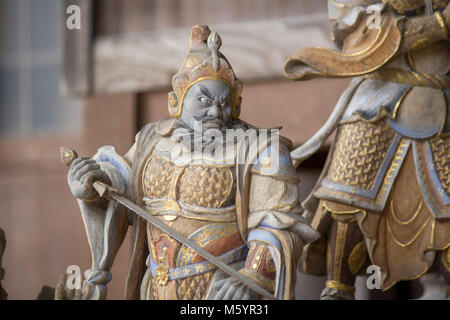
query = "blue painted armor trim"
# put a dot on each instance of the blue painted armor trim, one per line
(373, 191)
(376, 197)
(431, 194)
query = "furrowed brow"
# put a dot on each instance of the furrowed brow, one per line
(205, 91)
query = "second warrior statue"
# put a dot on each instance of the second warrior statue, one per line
(384, 195)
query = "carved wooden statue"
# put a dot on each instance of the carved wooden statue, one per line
(245, 213)
(384, 195)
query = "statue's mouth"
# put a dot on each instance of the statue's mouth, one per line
(211, 122)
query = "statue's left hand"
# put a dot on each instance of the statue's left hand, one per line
(232, 289)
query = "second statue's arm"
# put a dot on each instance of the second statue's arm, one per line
(415, 32)
(367, 47)
(422, 31)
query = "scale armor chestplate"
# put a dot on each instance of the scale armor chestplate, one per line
(359, 153)
(177, 271)
(200, 185)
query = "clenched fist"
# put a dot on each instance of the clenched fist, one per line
(82, 174)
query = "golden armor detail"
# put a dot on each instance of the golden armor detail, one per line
(360, 150)
(201, 185)
(441, 156)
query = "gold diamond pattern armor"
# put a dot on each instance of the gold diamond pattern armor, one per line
(441, 156)
(359, 152)
(201, 185)
(205, 186)
(157, 176)
(193, 288)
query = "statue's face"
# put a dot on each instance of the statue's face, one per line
(209, 102)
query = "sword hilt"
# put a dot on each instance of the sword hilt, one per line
(104, 190)
(68, 155)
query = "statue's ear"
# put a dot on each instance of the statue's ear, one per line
(179, 83)
(237, 88)
(174, 108)
(237, 109)
(237, 99)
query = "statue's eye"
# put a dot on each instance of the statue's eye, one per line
(225, 103)
(204, 100)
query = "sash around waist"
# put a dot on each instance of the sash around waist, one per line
(232, 256)
(159, 207)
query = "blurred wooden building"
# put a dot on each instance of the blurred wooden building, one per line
(100, 84)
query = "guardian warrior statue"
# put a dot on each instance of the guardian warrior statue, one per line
(384, 195)
(245, 213)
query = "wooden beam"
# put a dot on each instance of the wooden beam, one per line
(257, 50)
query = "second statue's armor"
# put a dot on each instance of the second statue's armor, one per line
(384, 195)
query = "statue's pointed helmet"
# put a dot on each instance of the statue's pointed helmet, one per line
(204, 62)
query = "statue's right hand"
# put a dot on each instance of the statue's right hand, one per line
(82, 174)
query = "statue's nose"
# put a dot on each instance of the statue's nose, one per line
(214, 111)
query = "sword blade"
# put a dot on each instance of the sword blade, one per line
(191, 244)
